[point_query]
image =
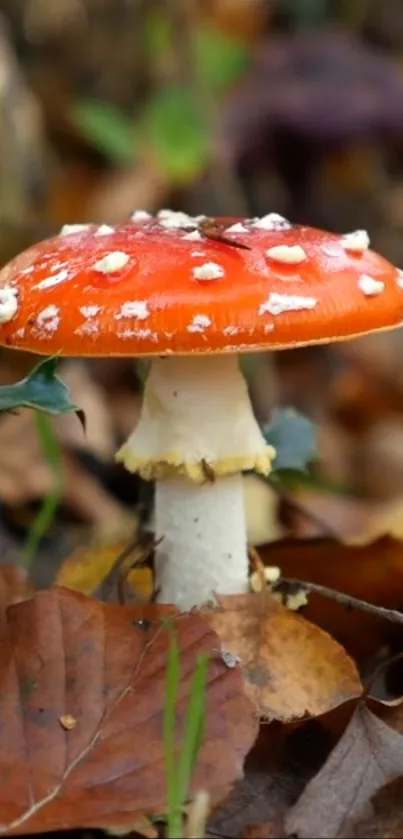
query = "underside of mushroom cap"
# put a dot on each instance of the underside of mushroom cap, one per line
(196, 421)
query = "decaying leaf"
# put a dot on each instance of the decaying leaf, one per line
(386, 817)
(86, 569)
(368, 756)
(14, 585)
(105, 666)
(369, 572)
(292, 669)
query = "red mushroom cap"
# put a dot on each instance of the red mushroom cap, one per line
(156, 286)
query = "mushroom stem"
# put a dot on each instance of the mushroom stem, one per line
(197, 433)
(203, 548)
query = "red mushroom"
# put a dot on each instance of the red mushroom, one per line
(159, 287)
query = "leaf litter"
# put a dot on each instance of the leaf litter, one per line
(70, 658)
(292, 669)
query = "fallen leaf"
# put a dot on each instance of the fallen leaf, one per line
(88, 394)
(264, 830)
(86, 569)
(370, 572)
(282, 761)
(15, 585)
(292, 669)
(368, 755)
(104, 665)
(386, 818)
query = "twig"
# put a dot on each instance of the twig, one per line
(347, 600)
(124, 590)
(377, 673)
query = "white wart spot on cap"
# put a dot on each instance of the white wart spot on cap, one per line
(399, 278)
(91, 327)
(8, 304)
(208, 271)
(199, 323)
(54, 279)
(276, 304)
(141, 334)
(48, 319)
(193, 236)
(237, 228)
(370, 286)
(70, 229)
(104, 230)
(287, 254)
(357, 241)
(231, 330)
(111, 262)
(172, 220)
(133, 309)
(90, 311)
(273, 221)
(140, 215)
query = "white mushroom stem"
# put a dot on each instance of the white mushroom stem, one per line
(203, 548)
(195, 436)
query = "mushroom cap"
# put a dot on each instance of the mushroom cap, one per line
(152, 287)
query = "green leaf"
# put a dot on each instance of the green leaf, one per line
(221, 60)
(294, 438)
(107, 129)
(177, 132)
(41, 390)
(157, 34)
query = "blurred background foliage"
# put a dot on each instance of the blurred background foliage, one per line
(222, 107)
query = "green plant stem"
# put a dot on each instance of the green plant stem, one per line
(180, 771)
(174, 817)
(45, 518)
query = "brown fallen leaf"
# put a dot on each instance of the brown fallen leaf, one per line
(386, 818)
(88, 394)
(292, 669)
(282, 761)
(15, 585)
(369, 572)
(104, 665)
(368, 756)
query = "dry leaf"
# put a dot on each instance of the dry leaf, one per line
(370, 572)
(292, 669)
(368, 755)
(386, 819)
(14, 585)
(106, 667)
(99, 436)
(87, 568)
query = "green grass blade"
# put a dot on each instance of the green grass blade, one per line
(193, 729)
(46, 516)
(174, 817)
